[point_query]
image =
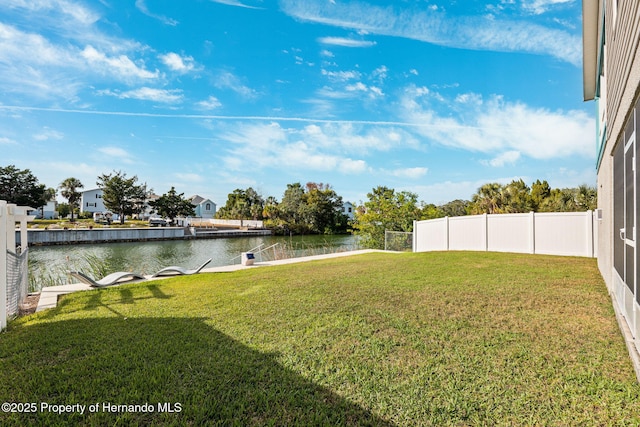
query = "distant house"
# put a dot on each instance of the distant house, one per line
(348, 209)
(148, 211)
(48, 211)
(92, 201)
(204, 208)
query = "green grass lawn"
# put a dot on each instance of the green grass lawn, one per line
(454, 338)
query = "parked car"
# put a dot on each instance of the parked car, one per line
(158, 222)
(103, 218)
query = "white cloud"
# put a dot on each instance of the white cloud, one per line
(495, 125)
(356, 139)
(53, 172)
(341, 75)
(30, 64)
(189, 177)
(359, 87)
(338, 148)
(7, 141)
(17, 46)
(568, 178)
(210, 103)
(235, 3)
(380, 73)
(351, 89)
(142, 7)
(117, 153)
(47, 134)
(435, 26)
(72, 56)
(181, 64)
(121, 65)
(77, 12)
(344, 42)
(541, 6)
(506, 158)
(351, 166)
(227, 80)
(148, 94)
(410, 173)
(469, 98)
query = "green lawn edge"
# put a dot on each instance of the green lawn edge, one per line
(455, 338)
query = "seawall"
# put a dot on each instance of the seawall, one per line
(113, 235)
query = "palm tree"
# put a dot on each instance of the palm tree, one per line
(586, 197)
(517, 197)
(69, 190)
(488, 199)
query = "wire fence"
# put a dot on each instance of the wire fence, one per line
(17, 281)
(400, 241)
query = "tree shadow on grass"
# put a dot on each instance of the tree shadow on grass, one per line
(215, 379)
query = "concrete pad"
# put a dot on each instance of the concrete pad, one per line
(49, 295)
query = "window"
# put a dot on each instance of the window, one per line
(208, 206)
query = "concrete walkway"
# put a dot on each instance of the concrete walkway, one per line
(49, 295)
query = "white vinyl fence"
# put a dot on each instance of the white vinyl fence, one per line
(13, 260)
(554, 233)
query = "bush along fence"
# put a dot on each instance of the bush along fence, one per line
(14, 280)
(550, 233)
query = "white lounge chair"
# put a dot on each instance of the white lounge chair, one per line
(111, 279)
(178, 271)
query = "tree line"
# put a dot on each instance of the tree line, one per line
(389, 210)
(518, 197)
(314, 208)
(311, 209)
(122, 195)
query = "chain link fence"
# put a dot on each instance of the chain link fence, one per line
(400, 241)
(17, 281)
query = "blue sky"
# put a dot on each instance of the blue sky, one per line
(433, 97)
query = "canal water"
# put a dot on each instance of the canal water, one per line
(49, 265)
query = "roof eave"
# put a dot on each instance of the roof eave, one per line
(590, 47)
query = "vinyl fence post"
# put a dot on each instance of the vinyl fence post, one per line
(3, 263)
(446, 232)
(24, 236)
(11, 227)
(485, 233)
(532, 232)
(589, 230)
(414, 236)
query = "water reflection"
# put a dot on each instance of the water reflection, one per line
(48, 265)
